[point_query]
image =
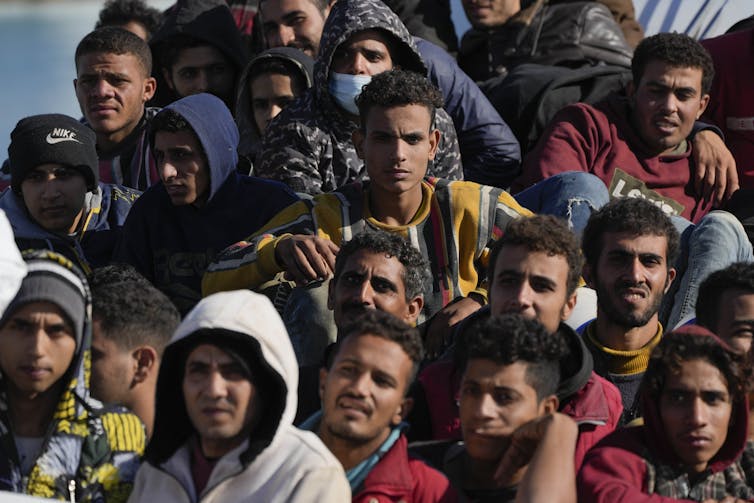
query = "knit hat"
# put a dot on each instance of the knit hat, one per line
(51, 278)
(52, 138)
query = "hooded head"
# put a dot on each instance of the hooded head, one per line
(53, 279)
(287, 62)
(212, 124)
(694, 400)
(246, 327)
(350, 17)
(188, 25)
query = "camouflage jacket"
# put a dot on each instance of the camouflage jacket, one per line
(308, 145)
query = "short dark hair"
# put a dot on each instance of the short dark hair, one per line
(169, 49)
(279, 66)
(385, 326)
(121, 12)
(695, 343)
(115, 40)
(130, 310)
(511, 338)
(677, 50)
(395, 88)
(321, 5)
(632, 215)
(415, 269)
(738, 276)
(170, 121)
(545, 234)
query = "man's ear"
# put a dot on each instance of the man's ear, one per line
(331, 294)
(669, 281)
(702, 105)
(168, 78)
(549, 405)
(434, 141)
(415, 306)
(357, 137)
(404, 409)
(329, 7)
(569, 305)
(586, 273)
(322, 379)
(145, 363)
(150, 86)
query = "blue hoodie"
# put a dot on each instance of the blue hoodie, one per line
(172, 245)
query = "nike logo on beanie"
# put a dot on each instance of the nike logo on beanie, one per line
(58, 135)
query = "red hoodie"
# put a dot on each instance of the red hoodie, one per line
(639, 465)
(601, 140)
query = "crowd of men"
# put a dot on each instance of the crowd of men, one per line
(292, 251)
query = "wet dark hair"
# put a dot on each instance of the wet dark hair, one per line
(415, 269)
(511, 338)
(121, 12)
(545, 234)
(115, 40)
(738, 276)
(695, 343)
(677, 50)
(632, 215)
(130, 311)
(385, 326)
(395, 88)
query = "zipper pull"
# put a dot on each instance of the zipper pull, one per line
(72, 491)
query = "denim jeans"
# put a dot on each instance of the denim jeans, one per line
(572, 195)
(717, 241)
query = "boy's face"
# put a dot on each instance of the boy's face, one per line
(695, 409)
(220, 399)
(396, 146)
(182, 167)
(111, 90)
(37, 344)
(202, 69)
(735, 318)
(363, 393)
(365, 53)
(270, 94)
(54, 196)
(495, 400)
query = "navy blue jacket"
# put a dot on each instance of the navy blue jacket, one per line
(172, 245)
(489, 149)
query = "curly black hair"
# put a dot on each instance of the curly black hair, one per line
(115, 40)
(632, 215)
(395, 88)
(121, 12)
(677, 50)
(511, 338)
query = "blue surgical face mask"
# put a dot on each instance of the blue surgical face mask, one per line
(344, 88)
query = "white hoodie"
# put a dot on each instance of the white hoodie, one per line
(278, 463)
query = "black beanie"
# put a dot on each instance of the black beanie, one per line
(52, 138)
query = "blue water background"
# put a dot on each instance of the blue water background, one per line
(38, 40)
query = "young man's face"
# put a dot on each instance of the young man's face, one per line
(363, 393)
(532, 284)
(396, 146)
(695, 409)
(631, 277)
(485, 14)
(113, 369)
(37, 344)
(54, 195)
(372, 281)
(495, 400)
(665, 103)
(182, 167)
(365, 53)
(111, 90)
(735, 318)
(220, 399)
(293, 23)
(202, 69)
(270, 93)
